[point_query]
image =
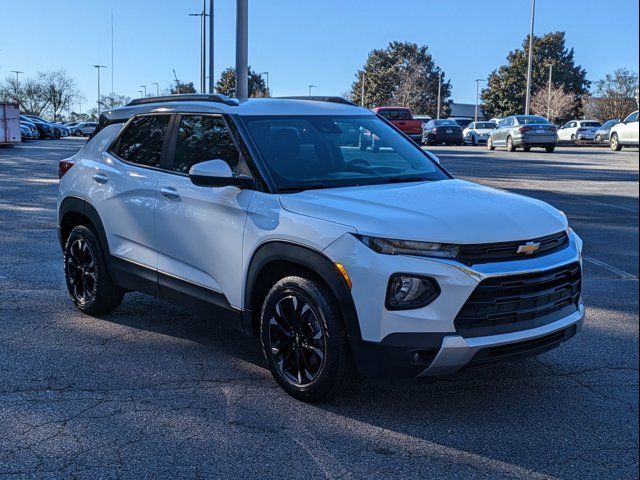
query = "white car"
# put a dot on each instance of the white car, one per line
(83, 128)
(625, 133)
(579, 130)
(478, 132)
(341, 261)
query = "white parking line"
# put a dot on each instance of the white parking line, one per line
(611, 268)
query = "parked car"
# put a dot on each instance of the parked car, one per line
(403, 119)
(83, 129)
(478, 132)
(441, 131)
(625, 133)
(578, 130)
(524, 131)
(71, 124)
(462, 121)
(28, 130)
(45, 130)
(602, 134)
(62, 129)
(341, 262)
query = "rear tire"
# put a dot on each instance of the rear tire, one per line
(573, 137)
(614, 143)
(510, 146)
(85, 270)
(550, 149)
(304, 340)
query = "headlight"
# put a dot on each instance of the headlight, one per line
(388, 246)
(407, 291)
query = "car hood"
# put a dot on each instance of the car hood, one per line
(447, 211)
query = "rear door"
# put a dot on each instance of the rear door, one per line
(200, 229)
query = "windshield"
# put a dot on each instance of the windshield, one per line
(395, 113)
(485, 125)
(463, 122)
(322, 152)
(525, 119)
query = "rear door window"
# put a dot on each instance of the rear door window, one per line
(142, 141)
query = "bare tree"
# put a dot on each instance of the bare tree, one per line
(59, 90)
(556, 104)
(10, 91)
(33, 99)
(615, 95)
(409, 84)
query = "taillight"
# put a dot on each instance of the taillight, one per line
(524, 129)
(64, 166)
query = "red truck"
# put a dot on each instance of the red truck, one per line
(403, 119)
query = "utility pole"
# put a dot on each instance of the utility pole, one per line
(478, 80)
(145, 90)
(98, 67)
(242, 49)
(439, 94)
(530, 64)
(310, 87)
(17, 72)
(211, 51)
(549, 93)
(157, 88)
(112, 69)
(202, 16)
(364, 78)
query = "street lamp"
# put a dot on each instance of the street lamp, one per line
(17, 72)
(439, 94)
(310, 87)
(478, 80)
(157, 88)
(145, 90)
(140, 92)
(98, 67)
(530, 64)
(266, 74)
(203, 26)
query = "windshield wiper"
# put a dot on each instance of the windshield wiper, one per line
(408, 179)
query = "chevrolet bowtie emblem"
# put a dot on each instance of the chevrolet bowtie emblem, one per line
(529, 248)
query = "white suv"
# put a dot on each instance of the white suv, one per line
(341, 261)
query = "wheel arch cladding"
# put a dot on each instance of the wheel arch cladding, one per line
(76, 211)
(276, 260)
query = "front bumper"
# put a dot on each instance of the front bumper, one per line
(424, 341)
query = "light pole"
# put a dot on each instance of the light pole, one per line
(439, 94)
(17, 72)
(242, 49)
(140, 92)
(266, 74)
(98, 67)
(530, 64)
(310, 87)
(549, 92)
(157, 88)
(478, 80)
(211, 37)
(145, 90)
(203, 23)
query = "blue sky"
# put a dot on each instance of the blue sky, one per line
(301, 42)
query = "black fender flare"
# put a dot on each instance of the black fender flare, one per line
(319, 264)
(81, 206)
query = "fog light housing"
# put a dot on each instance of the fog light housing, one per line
(406, 291)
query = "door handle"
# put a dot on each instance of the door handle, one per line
(169, 192)
(100, 178)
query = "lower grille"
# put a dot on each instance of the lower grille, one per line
(526, 348)
(520, 302)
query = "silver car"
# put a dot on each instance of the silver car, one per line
(524, 131)
(83, 128)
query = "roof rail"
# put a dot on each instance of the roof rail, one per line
(186, 97)
(321, 99)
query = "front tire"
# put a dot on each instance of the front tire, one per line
(304, 340)
(78, 133)
(614, 143)
(86, 274)
(490, 144)
(550, 149)
(510, 146)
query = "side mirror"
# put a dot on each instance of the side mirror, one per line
(217, 173)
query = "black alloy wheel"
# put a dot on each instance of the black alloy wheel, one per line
(81, 272)
(297, 340)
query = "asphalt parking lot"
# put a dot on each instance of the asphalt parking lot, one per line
(152, 391)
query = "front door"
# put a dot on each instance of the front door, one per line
(200, 229)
